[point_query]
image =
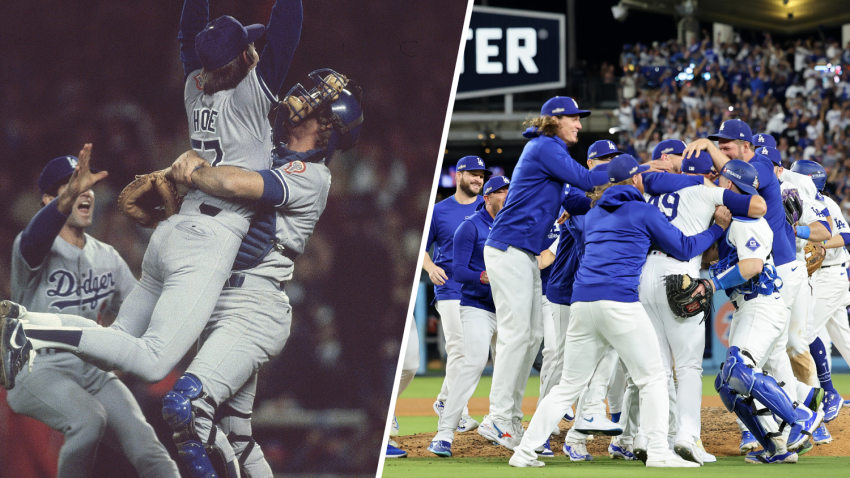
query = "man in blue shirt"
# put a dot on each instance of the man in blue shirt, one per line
(477, 312)
(618, 232)
(447, 216)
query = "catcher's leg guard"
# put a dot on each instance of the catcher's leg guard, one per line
(237, 427)
(759, 423)
(182, 414)
(738, 374)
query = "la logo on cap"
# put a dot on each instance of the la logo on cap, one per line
(761, 140)
(721, 126)
(611, 145)
(763, 150)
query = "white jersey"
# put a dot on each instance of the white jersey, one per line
(839, 255)
(230, 128)
(690, 210)
(814, 210)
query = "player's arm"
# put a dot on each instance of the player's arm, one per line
(704, 144)
(196, 15)
(656, 184)
(436, 273)
(465, 239)
(557, 163)
(547, 257)
(576, 204)
(282, 36)
(738, 204)
(816, 222)
(680, 246)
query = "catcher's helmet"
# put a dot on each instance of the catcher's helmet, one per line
(812, 169)
(743, 175)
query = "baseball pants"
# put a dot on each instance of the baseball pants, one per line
(616, 388)
(517, 292)
(681, 340)
(556, 318)
(592, 400)
(411, 357)
(449, 311)
(88, 406)
(479, 333)
(797, 296)
(594, 325)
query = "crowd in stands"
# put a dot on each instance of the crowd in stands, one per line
(797, 91)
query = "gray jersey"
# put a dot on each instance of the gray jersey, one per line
(84, 282)
(230, 128)
(306, 186)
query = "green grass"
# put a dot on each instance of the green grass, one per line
(604, 468)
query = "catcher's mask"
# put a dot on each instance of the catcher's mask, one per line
(332, 90)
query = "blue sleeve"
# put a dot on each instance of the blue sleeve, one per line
(432, 231)
(464, 244)
(196, 15)
(764, 171)
(826, 225)
(282, 36)
(274, 190)
(38, 237)
(673, 242)
(557, 163)
(846, 237)
(576, 204)
(738, 204)
(656, 184)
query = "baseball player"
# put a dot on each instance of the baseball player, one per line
(477, 311)
(189, 258)
(682, 339)
(618, 232)
(445, 219)
(58, 268)
(516, 239)
(670, 150)
(757, 335)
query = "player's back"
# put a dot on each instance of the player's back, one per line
(836, 255)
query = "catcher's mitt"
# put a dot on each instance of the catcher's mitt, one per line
(150, 198)
(814, 253)
(681, 288)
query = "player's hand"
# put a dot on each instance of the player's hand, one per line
(183, 167)
(484, 279)
(659, 165)
(701, 144)
(564, 216)
(438, 276)
(723, 217)
(81, 180)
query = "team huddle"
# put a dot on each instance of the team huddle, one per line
(214, 273)
(603, 265)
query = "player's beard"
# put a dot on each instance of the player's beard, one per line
(466, 187)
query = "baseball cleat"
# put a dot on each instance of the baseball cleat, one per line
(621, 452)
(818, 396)
(522, 463)
(500, 433)
(438, 407)
(597, 424)
(569, 416)
(577, 451)
(762, 456)
(688, 451)
(394, 429)
(807, 447)
(821, 436)
(670, 460)
(393, 452)
(706, 456)
(15, 349)
(639, 448)
(392, 442)
(748, 442)
(466, 424)
(802, 430)
(832, 403)
(547, 450)
(441, 448)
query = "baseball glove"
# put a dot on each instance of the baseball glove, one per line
(814, 253)
(793, 206)
(680, 295)
(150, 198)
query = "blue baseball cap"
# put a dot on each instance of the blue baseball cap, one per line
(623, 167)
(495, 183)
(764, 139)
(699, 163)
(562, 105)
(743, 175)
(772, 154)
(601, 149)
(668, 146)
(223, 39)
(56, 172)
(472, 163)
(733, 129)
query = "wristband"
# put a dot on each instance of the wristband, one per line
(729, 278)
(481, 277)
(803, 232)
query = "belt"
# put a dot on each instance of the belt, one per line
(208, 210)
(48, 351)
(658, 252)
(248, 281)
(746, 297)
(287, 253)
(843, 265)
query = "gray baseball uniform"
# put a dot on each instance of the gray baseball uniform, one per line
(250, 323)
(72, 396)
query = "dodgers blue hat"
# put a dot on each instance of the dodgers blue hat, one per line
(743, 175)
(668, 146)
(733, 129)
(56, 172)
(812, 169)
(562, 105)
(764, 139)
(495, 183)
(772, 154)
(601, 149)
(623, 167)
(699, 163)
(472, 163)
(223, 39)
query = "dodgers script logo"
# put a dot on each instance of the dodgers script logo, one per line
(90, 291)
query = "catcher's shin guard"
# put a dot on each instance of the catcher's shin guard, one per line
(202, 460)
(237, 426)
(741, 378)
(745, 410)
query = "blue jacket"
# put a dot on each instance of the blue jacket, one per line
(784, 243)
(618, 233)
(448, 215)
(468, 260)
(547, 243)
(570, 249)
(535, 193)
